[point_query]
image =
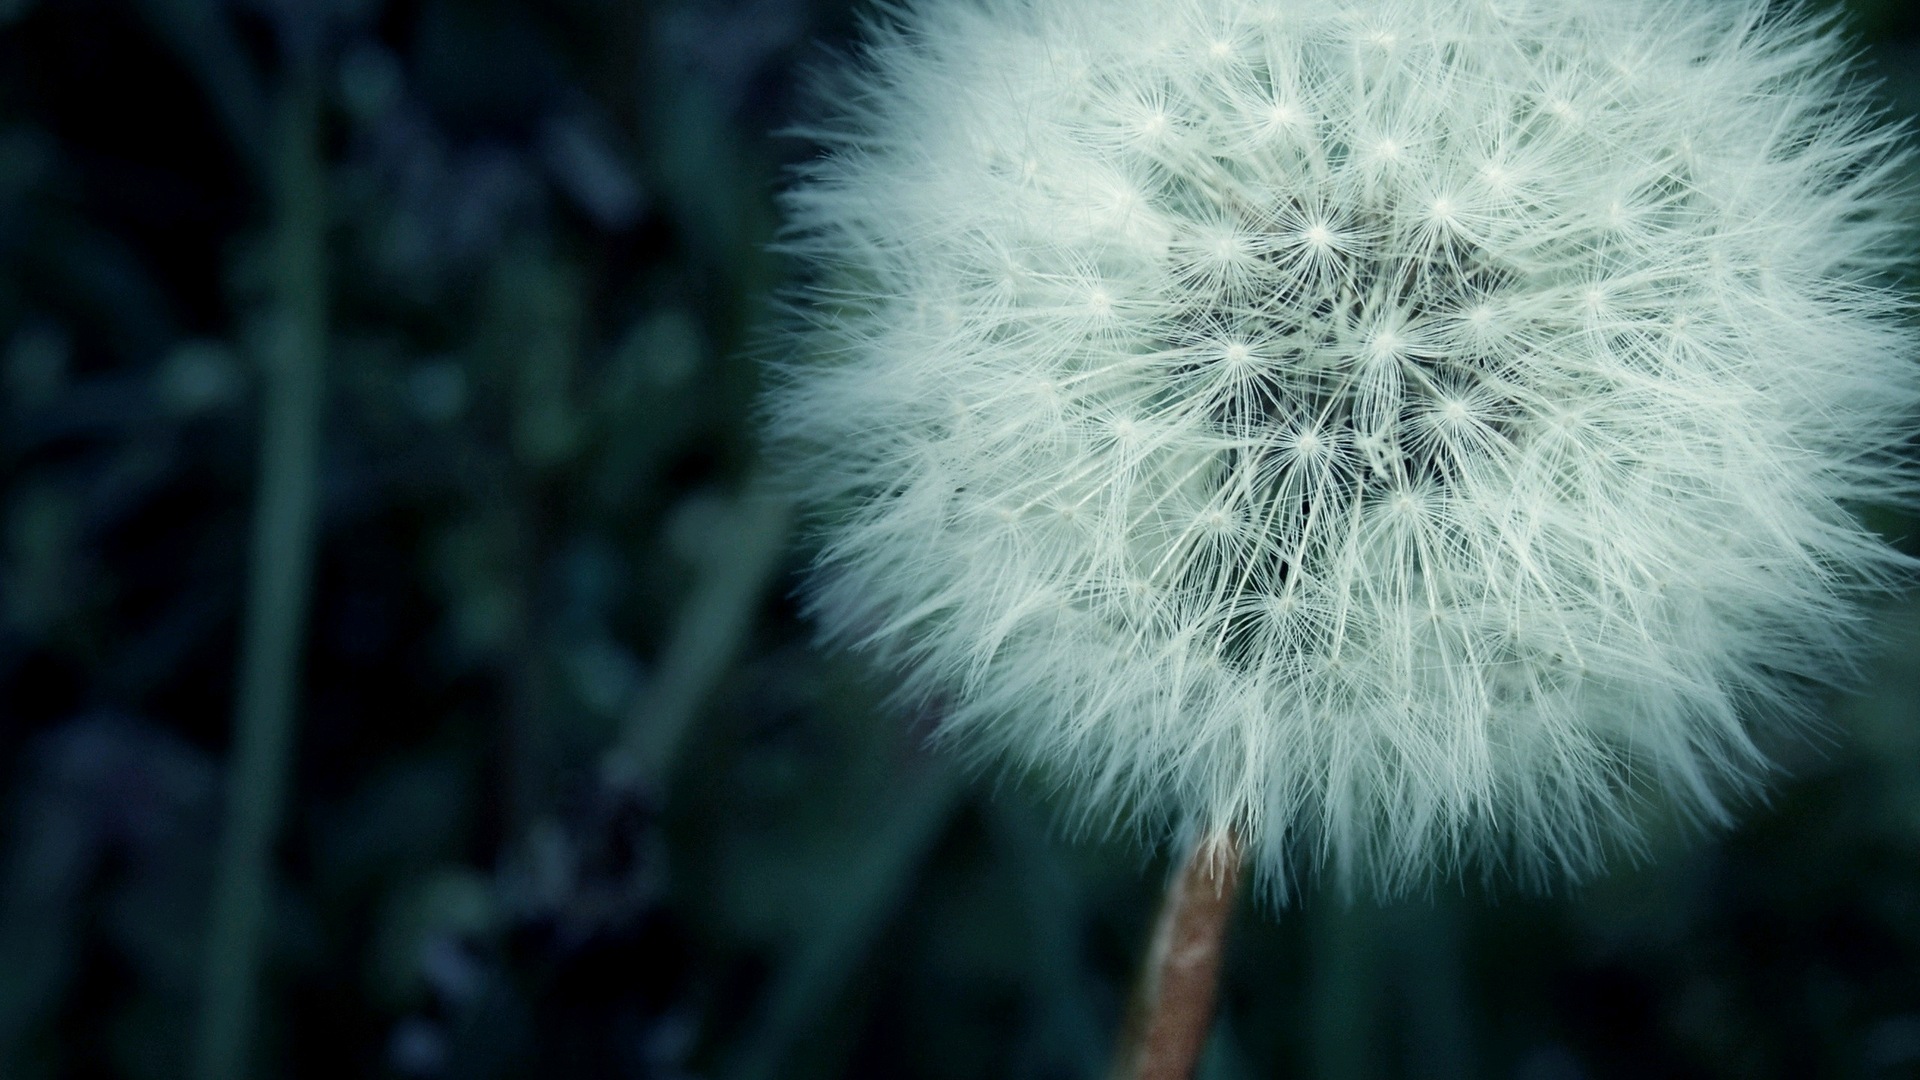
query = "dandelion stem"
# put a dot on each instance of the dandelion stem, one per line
(1173, 1000)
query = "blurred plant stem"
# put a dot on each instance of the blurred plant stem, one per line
(872, 889)
(291, 359)
(713, 622)
(1056, 914)
(1172, 1008)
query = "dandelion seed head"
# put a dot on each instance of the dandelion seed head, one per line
(1417, 435)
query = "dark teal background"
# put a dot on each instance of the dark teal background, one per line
(542, 281)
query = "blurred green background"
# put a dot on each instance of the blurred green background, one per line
(377, 442)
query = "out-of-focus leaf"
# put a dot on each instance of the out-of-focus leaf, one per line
(427, 923)
(102, 795)
(738, 557)
(583, 157)
(200, 33)
(407, 816)
(837, 937)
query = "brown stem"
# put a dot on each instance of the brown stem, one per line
(1173, 1001)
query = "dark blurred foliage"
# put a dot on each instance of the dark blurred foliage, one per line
(572, 793)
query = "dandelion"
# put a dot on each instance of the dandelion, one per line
(1406, 437)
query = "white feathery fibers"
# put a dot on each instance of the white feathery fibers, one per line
(1414, 434)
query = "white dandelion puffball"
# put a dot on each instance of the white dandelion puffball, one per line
(1414, 435)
